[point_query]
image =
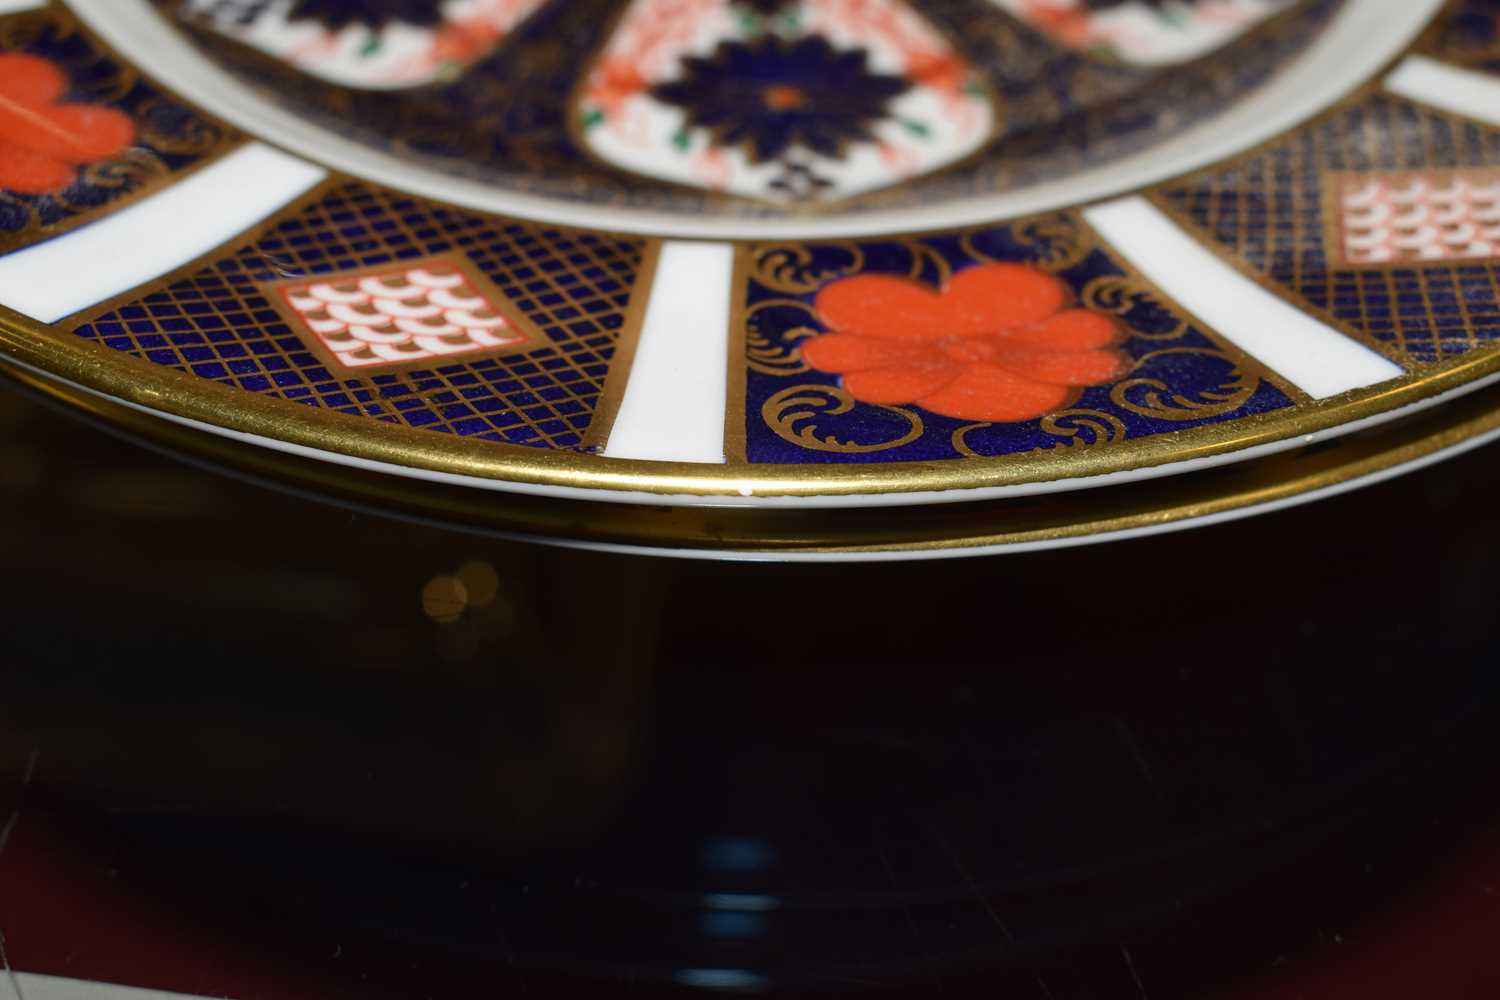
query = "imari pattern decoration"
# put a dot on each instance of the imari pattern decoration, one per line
(421, 311)
(44, 141)
(402, 312)
(371, 46)
(802, 100)
(757, 253)
(1378, 217)
(1418, 217)
(739, 108)
(989, 342)
(81, 132)
(1144, 32)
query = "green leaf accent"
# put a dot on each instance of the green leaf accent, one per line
(370, 48)
(681, 140)
(916, 128)
(592, 117)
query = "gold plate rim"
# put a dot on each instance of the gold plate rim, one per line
(497, 467)
(932, 531)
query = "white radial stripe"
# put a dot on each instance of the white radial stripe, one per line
(1311, 355)
(1462, 91)
(1362, 38)
(143, 241)
(16, 6)
(673, 408)
(30, 986)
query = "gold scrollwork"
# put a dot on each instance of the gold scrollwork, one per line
(799, 404)
(1081, 428)
(24, 30)
(1154, 398)
(1119, 294)
(130, 170)
(789, 268)
(108, 80)
(776, 358)
(960, 439)
(780, 356)
(194, 136)
(923, 257)
(1055, 242)
(1084, 428)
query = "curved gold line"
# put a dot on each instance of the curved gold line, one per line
(800, 405)
(960, 441)
(1091, 514)
(138, 381)
(785, 303)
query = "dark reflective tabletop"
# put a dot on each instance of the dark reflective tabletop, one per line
(257, 745)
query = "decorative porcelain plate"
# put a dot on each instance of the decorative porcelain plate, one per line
(787, 534)
(764, 253)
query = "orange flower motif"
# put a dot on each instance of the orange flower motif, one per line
(43, 143)
(1072, 24)
(997, 344)
(937, 70)
(613, 83)
(463, 41)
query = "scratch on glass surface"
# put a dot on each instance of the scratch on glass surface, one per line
(911, 923)
(15, 816)
(969, 880)
(1128, 738)
(1134, 975)
(10, 824)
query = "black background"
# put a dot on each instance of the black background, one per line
(1172, 767)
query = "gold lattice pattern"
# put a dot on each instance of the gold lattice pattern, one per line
(573, 287)
(1277, 213)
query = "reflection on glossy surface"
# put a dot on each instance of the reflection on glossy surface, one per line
(1181, 762)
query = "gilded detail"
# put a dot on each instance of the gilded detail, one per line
(1152, 397)
(82, 132)
(800, 415)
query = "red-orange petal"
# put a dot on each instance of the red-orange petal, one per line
(995, 297)
(882, 305)
(1063, 367)
(31, 81)
(1070, 330)
(988, 392)
(26, 171)
(851, 352)
(899, 385)
(81, 133)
